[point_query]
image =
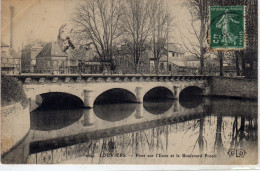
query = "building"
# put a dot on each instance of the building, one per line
(212, 67)
(28, 56)
(124, 62)
(183, 66)
(51, 59)
(85, 60)
(230, 71)
(10, 60)
(178, 62)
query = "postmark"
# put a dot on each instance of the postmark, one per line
(227, 27)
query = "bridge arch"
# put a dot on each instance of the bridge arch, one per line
(192, 90)
(115, 95)
(61, 100)
(158, 92)
(33, 92)
(55, 100)
(35, 99)
(191, 96)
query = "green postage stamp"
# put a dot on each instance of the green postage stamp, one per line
(227, 27)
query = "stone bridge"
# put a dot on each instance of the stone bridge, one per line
(89, 87)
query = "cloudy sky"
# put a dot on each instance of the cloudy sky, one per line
(41, 19)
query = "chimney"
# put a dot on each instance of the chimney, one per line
(12, 27)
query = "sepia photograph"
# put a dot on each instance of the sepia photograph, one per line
(129, 82)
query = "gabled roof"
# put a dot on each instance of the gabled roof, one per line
(4, 44)
(191, 58)
(173, 48)
(37, 46)
(182, 59)
(52, 49)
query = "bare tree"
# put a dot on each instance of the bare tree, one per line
(97, 21)
(160, 21)
(199, 13)
(218, 145)
(136, 27)
(221, 61)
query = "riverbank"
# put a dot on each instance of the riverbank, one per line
(234, 87)
(15, 114)
(15, 124)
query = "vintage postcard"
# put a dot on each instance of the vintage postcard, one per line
(140, 82)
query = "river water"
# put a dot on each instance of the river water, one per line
(198, 131)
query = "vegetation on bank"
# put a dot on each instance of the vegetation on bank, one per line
(12, 92)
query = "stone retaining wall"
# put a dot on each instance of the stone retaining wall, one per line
(15, 124)
(234, 87)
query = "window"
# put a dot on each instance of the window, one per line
(170, 67)
(161, 66)
(172, 53)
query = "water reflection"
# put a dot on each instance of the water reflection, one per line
(191, 101)
(155, 141)
(158, 107)
(114, 112)
(190, 97)
(46, 120)
(117, 133)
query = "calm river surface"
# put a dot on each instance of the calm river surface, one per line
(198, 131)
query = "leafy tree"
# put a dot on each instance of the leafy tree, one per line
(12, 91)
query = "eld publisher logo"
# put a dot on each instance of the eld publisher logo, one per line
(236, 152)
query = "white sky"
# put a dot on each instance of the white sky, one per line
(41, 19)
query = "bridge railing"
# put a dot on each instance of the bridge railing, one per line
(61, 65)
(71, 66)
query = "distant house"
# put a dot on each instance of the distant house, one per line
(51, 59)
(85, 60)
(5, 50)
(10, 60)
(191, 61)
(178, 62)
(212, 67)
(183, 66)
(124, 62)
(174, 51)
(28, 56)
(230, 71)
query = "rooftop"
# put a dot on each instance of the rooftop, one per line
(173, 48)
(52, 49)
(180, 59)
(4, 44)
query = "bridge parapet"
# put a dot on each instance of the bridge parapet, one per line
(85, 78)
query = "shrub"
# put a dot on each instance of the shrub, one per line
(12, 91)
